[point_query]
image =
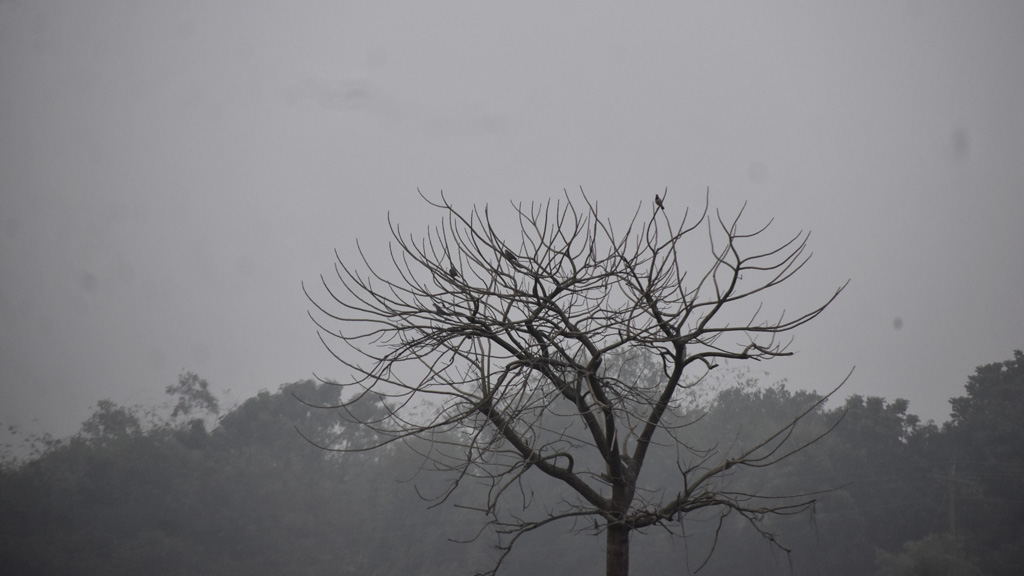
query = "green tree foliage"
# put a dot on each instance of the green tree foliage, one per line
(111, 423)
(252, 496)
(885, 489)
(255, 496)
(738, 419)
(193, 396)
(986, 463)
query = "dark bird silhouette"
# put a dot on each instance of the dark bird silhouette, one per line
(510, 256)
(659, 202)
(453, 272)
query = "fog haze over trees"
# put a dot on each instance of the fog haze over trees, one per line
(560, 356)
(171, 171)
(134, 493)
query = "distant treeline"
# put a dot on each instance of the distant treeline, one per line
(248, 493)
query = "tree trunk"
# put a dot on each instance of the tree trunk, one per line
(617, 552)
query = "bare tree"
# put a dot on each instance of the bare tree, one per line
(501, 351)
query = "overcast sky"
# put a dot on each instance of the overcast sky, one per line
(170, 172)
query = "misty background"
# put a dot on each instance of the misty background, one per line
(170, 172)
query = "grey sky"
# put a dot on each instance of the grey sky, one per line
(171, 171)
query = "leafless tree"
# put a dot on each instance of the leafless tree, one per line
(500, 350)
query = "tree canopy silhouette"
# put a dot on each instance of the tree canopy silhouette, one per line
(563, 350)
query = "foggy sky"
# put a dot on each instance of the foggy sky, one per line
(171, 171)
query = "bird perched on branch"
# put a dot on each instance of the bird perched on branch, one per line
(453, 272)
(659, 202)
(510, 256)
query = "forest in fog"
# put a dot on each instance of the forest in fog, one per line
(194, 488)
